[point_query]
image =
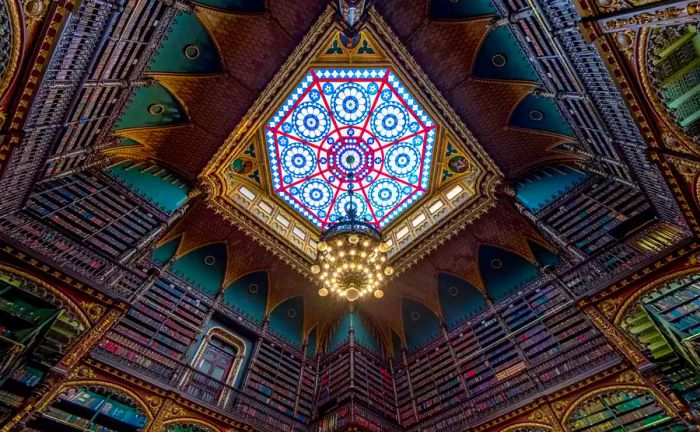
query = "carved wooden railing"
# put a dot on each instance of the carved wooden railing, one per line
(208, 391)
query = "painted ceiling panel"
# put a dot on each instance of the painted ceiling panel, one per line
(248, 296)
(459, 300)
(460, 9)
(165, 252)
(420, 324)
(204, 268)
(544, 256)
(287, 320)
(540, 113)
(186, 48)
(540, 187)
(239, 6)
(153, 183)
(504, 272)
(500, 57)
(150, 107)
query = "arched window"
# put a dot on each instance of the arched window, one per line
(215, 367)
(621, 410)
(674, 71)
(91, 408)
(665, 323)
(38, 325)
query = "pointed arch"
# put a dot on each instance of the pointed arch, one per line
(235, 6)
(420, 324)
(311, 343)
(501, 58)
(396, 344)
(165, 251)
(287, 320)
(528, 427)
(248, 296)
(155, 184)
(648, 408)
(504, 272)
(540, 187)
(540, 113)
(203, 268)
(449, 10)
(187, 48)
(543, 255)
(151, 106)
(53, 295)
(133, 399)
(188, 424)
(459, 300)
(340, 333)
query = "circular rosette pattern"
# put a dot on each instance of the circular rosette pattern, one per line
(389, 121)
(299, 160)
(344, 203)
(403, 160)
(316, 194)
(350, 104)
(311, 121)
(385, 193)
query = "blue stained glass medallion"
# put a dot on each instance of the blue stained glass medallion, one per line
(358, 124)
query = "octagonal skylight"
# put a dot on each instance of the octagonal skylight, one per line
(350, 129)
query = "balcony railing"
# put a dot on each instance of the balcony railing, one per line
(211, 392)
(354, 414)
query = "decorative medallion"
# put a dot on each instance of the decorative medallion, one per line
(350, 123)
(351, 113)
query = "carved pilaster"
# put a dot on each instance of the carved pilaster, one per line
(88, 342)
(623, 345)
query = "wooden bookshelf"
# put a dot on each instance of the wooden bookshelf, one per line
(280, 378)
(623, 411)
(89, 209)
(594, 218)
(82, 409)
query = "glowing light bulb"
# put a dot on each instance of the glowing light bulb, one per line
(378, 294)
(323, 292)
(352, 293)
(315, 269)
(389, 271)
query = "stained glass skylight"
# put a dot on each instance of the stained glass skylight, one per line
(350, 129)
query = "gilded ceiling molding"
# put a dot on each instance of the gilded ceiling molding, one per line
(169, 419)
(613, 334)
(476, 196)
(651, 17)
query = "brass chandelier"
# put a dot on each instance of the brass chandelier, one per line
(351, 261)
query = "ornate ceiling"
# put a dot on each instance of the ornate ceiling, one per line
(252, 117)
(270, 142)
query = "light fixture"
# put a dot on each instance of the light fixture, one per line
(351, 259)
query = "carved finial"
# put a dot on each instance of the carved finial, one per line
(352, 12)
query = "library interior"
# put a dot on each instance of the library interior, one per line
(349, 215)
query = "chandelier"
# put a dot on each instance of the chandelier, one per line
(352, 257)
